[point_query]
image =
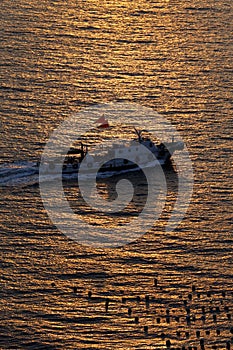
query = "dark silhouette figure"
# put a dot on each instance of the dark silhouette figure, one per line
(106, 305)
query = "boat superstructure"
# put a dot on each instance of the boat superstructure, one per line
(121, 157)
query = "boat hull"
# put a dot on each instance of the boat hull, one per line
(95, 170)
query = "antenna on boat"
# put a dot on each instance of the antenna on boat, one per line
(139, 133)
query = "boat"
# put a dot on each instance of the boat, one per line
(118, 159)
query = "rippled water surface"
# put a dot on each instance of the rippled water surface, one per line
(56, 59)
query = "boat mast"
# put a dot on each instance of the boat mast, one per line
(139, 133)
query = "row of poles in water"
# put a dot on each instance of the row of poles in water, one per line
(189, 318)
